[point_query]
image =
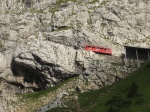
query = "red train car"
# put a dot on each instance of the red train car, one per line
(101, 50)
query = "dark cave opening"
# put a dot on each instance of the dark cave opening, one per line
(137, 53)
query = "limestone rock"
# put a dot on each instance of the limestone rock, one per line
(49, 61)
(41, 64)
(3, 63)
(42, 41)
(71, 37)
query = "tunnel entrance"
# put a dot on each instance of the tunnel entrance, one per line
(137, 53)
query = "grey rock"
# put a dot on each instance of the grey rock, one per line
(50, 61)
(42, 41)
(3, 63)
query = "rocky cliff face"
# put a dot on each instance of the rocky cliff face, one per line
(42, 41)
(100, 22)
(73, 24)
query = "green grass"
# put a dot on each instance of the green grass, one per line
(59, 110)
(39, 94)
(94, 1)
(33, 97)
(64, 28)
(36, 95)
(33, 101)
(117, 64)
(114, 98)
(1, 45)
(96, 101)
(59, 2)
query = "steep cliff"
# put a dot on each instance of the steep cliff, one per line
(42, 41)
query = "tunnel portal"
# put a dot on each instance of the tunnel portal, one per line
(137, 53)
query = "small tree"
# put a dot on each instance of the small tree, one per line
(117, 103)
(133, 90)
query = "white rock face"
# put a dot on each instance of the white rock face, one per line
(48, 53)
(50, 61)
(72, 25)
(3, 63)
(41, 64)
(46, 40)
(108, 23)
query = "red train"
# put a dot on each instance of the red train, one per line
(101, 50)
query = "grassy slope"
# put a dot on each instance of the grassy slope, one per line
(95, 101)
(33, 101)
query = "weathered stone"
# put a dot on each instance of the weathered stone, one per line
(3, 63)
(49, 61)
(72, 25)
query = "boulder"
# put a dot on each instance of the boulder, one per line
(44, 63)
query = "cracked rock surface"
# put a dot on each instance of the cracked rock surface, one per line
(42, 41)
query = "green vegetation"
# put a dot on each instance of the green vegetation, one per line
(59, 110)
(39, 94)
(36, 95)
(1, 45)
(117, 64)
(104, 2)
(33, 101)
(33, 10)
(128, 95)
(94, 1)
(65, 1)
(63, 28)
